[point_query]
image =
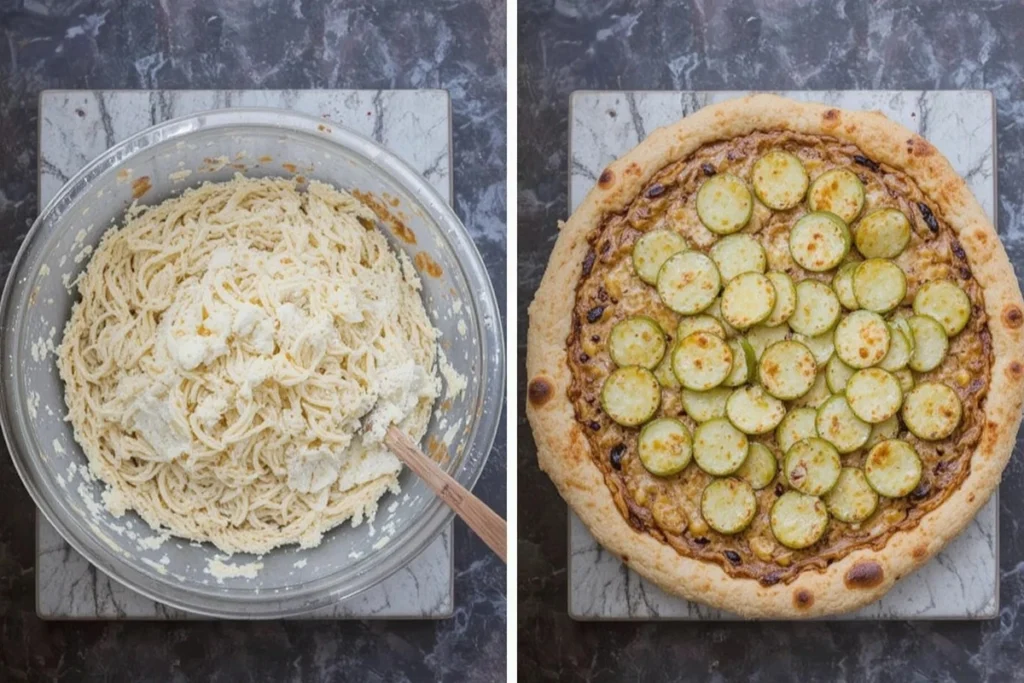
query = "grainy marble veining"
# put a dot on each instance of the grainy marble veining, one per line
(275, 44)
(570, 45)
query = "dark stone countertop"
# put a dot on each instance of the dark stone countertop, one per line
(458, 46)
(567, 45)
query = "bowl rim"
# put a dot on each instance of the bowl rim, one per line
(322, 591)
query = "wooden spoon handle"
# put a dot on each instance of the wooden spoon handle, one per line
(487, 524)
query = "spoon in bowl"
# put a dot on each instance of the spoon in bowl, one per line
(486, 523)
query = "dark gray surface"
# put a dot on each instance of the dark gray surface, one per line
(568, 45)
(459, 46)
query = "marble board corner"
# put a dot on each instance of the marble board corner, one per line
(962, 581)
(75, 126)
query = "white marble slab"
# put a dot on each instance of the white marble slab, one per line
(962, 582)
(77, 125)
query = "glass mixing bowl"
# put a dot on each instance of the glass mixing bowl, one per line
(36, 303)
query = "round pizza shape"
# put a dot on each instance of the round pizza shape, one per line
(855, 382)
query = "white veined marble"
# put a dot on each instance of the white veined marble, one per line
(78, 125)
(962, 582)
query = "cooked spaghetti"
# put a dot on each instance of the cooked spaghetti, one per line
(235, 357)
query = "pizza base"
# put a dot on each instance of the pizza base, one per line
(563, 450)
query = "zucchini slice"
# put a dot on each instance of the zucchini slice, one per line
(899, 351)
(946, 302)
(728, 505)
(842, 283)
(903, 325)
(874, 395)
(851, 500)
(883, 431)
(759, 468)
(819, 241)
(797, 520)
(719, 448)
(652, 250)
(812, 466)
(817, 308)
(822, 347)
(932, 411)
(882, 234)
(747, 300)
(637, 341)
(665, 447)
(837, 374)
(724, 204)
(703, 406)
(930, 343)
(715, 311)
(689, 324)
(862, 339)
(818, 394)
(796, 426)
(753, 411)
(688, 282)
(780, 180)
(664, 374)
(879, 285)
(893, 468)
(631, 395)
(737, 254)
(744, 365)
(839, 425)
(906, 379)
(785, 298)
(787, 370)
(838, 191)
(701, 361)
(762, 336)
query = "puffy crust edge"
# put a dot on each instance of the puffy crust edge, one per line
(564, 452)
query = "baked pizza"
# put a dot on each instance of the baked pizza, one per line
(775, 362)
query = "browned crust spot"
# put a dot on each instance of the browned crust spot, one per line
(803, 598)
(1012, 317)
(540, 391)
(919, 147)
(607, 178)
(864, 575)
(831, 116)
(1015, 371)
(919, 552)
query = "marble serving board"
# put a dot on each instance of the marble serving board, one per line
(962, 582)
(77, 125)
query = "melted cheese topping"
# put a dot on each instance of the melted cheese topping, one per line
(227, 350)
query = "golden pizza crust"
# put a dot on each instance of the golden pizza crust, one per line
(865, 574)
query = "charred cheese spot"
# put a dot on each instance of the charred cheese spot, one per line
(540, 391)
(864, 575)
